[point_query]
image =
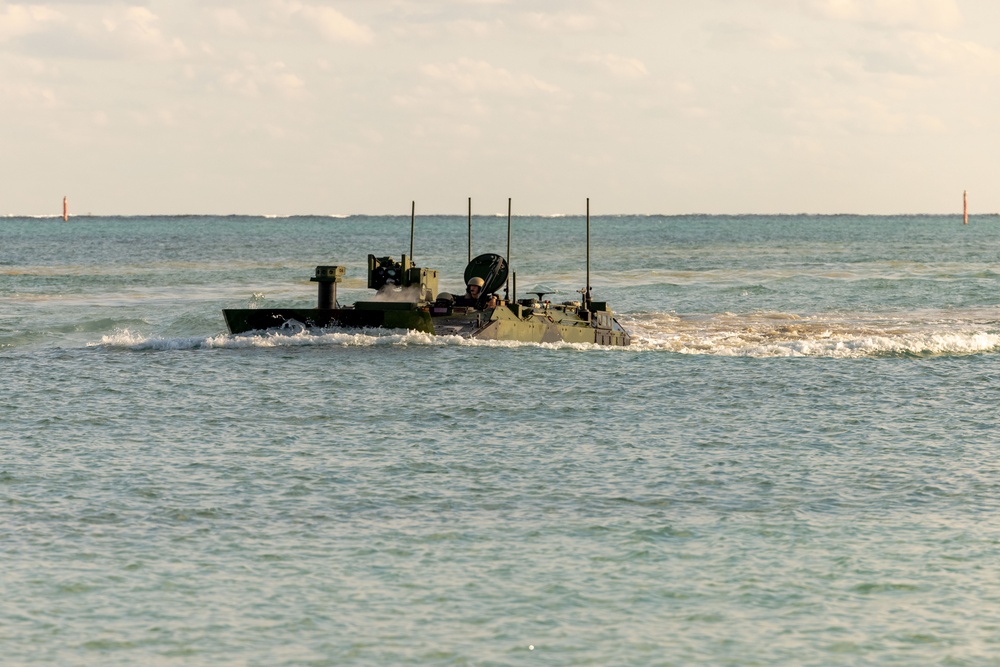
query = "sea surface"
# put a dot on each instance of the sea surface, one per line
(797, 462)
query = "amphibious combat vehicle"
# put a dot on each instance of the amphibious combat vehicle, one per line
(407, 297)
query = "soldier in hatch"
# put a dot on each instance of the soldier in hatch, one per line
(473, 293)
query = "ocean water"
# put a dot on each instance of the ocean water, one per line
(797, 462)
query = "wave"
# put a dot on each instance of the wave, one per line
(788, 335)
(293, 216)
(126, 339)
(760, 335)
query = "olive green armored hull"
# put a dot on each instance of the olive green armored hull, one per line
(528, 320)
(543, 323)
(535, 324)
(390, 317)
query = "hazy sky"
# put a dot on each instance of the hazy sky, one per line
(360, 106)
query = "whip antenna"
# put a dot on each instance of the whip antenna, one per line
(506, 288)
(413, 213)
(587, 295)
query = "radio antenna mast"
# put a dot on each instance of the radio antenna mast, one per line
(587, 295)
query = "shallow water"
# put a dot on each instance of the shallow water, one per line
(794, 464)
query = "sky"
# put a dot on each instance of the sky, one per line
(291, 107)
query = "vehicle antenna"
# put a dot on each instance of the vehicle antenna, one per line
(470, 231)
(506, 288)
(587, 295)
(413, 213)
(495, 267)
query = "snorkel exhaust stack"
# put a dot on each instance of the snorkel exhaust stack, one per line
(327, 278)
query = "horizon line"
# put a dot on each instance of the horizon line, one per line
(59, 216)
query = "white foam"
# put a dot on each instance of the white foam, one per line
(787, 335)
(287, 216)
(726, 334)
(126, 339)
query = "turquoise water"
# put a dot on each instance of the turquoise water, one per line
(795, 463)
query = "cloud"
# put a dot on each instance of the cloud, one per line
(109, 32)
(940, 54)
(474, 29)
(327, 21)
(253, 80)
(915, 59)
(230, 21)
(905, 14)
(733, 34)
(27, 95)
(620, 67)
(135, 30)
(860, 115)
(19, 20)
(560, 23)
(475, 76)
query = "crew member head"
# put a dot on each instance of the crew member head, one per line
(475, 287)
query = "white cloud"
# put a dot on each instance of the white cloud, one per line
(153, 118)
(230, 21)
(734, 34)
(253, 80)
(135, 30)
(98, 32)
(475, 29)
(560, 23)
(859, 115)
(440, 31)
(18, 20)
(327, 21)
(937, 53)
(27, 95)
(912, 60)
(912, 14)
(475, 76)
(621, 67)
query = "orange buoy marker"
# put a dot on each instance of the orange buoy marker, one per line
(965, 207)
(65, 210)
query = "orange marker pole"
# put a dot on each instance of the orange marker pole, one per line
(965, 207)
(65, 209)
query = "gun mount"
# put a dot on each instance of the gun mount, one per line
(385, 272)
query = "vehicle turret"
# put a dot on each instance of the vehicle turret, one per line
(386, 272)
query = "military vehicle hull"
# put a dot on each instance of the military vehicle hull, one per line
(535, 323)
(541, 323)
(407, 298)
(259, 319)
